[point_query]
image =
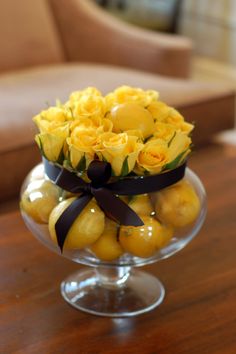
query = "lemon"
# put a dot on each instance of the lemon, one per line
(141, 241)
(107, 247)
(85, 230)
(165, 234)
(39, 199)
(110, 225)
(177, 205)
(141, 204)
(130, 116)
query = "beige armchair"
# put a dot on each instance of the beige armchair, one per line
(91, 34)
(32, 33)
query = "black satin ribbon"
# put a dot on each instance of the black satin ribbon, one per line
(105, 193)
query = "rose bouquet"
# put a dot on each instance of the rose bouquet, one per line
(115, 166)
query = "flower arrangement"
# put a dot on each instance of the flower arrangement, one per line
(129, 128)
(120, 159)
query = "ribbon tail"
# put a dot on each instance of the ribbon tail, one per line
(115, 208)
(69, 215)
(63, 178)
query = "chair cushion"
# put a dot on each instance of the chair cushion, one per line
(23, 94)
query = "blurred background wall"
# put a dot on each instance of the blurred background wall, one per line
(212, 26)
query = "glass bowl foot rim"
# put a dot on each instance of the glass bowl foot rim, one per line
(141, 292)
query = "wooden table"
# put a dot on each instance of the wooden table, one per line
(197, 316)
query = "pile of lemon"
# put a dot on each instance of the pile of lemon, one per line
(162, 212)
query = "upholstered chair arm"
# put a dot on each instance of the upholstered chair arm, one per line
(91, 34)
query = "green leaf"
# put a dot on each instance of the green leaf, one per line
(81, 165)
(171, 139)
(71, 111)
(174, 163)
(125, 167)
(149, 137)
(67, 161)
(61, 157)
(40, 145)
(104, 159)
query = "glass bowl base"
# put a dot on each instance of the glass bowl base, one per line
(135, 293)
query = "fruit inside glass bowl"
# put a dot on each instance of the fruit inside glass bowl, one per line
(171, 217)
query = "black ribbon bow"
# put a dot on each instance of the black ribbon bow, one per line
(106, 194)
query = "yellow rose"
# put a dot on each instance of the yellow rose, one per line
(152, 96)
(102, 125)
(180, 144)
(105, 126)
(165, 114)
(90, 107)
(82, 123)
(159, 110)
(154, 156)
(81, 144)
(52, 114)
(177, 120)
(125, 94)
(136, 132)
(164, 131)
(52, 141)
(120, 150)
(186, 127)
(76, 95)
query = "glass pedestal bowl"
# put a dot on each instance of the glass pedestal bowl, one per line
(113, 288)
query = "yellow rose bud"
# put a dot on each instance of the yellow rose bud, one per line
(174, 118)
(136, 132)
(127, 94)
(154, 156)
(53, 140)
(180, 144)
(164, 131)
(162, 113)
(89, 106)
(120, 150)
(52, 114)
(186, 127)
(159, 110)
(76, 95)
(152, 96)
(81, 144)
(105, 126)
(82, 123)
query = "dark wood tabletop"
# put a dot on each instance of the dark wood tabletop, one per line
(198, 314)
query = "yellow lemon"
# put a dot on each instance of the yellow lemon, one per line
(110, 225)
(141, 204)
(107, 248)
(86, 228)
(165, 234)
(177, 205)
(39, 199)
(129, 116)
(141, 241)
